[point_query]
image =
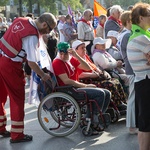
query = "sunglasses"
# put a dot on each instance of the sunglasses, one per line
(50, 29)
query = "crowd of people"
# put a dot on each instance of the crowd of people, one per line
(115, 56)
(4, 25)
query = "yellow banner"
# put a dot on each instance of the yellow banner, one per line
(99, 9)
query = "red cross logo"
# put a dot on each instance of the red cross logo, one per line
(18, 26)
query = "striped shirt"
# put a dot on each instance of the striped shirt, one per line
(85, 32)
(136, 50)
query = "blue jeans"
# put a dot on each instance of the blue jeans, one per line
(101, 96)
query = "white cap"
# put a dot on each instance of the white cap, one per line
(76, 43)
(112, 33)
(100, 40)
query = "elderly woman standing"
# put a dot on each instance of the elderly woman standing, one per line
(138, 49)
(69, 30)
(122, 45)
(113, 22)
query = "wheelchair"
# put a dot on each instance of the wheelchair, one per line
(63, 109)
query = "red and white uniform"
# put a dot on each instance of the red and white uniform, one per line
(12, 76)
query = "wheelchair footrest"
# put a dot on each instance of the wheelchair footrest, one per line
(106, 120)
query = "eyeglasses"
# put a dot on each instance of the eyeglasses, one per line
(50, 29)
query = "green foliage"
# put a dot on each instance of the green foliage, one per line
(74, 4)
(3, 2)
(50, 6)
(123, 3)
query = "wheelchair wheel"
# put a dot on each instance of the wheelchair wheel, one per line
(85, 132)
(59, 114)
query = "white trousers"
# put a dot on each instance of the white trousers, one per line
(130, 118)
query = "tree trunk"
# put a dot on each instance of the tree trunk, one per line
(20, 8)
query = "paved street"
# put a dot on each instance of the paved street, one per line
(116, 137)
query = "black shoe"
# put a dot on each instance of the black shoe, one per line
(5, 134)
(123, 112)
(26, 138)
(122, 107)
(107, 119)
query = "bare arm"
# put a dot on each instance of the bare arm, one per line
(88, 74)
(83, 64)
(62, 31)
(68, 81)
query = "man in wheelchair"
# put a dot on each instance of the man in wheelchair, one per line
(65, 68)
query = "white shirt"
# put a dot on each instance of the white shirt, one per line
(103, 61)
(3, 25)
(61, 36)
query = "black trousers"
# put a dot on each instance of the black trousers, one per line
(88, 48)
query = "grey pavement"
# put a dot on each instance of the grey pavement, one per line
(115, 137)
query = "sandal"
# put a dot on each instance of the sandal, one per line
(5, 134)
(26, 138)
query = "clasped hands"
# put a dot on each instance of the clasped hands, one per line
(147, 55)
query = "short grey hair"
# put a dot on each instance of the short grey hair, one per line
(86, 12)
(115, 8)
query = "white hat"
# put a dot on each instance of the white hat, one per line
(76, 43)
(113, 34)
(99, 40)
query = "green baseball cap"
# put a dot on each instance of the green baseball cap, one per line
(63, 47)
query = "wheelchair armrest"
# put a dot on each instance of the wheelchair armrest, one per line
(72, 91)
(63, 87)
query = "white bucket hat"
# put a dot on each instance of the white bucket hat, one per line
(112, 33)
(76, 43)
(100, 40)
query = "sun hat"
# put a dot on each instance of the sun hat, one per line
(76, 43)
(112, 33)
(63, 47)
(99, 40)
